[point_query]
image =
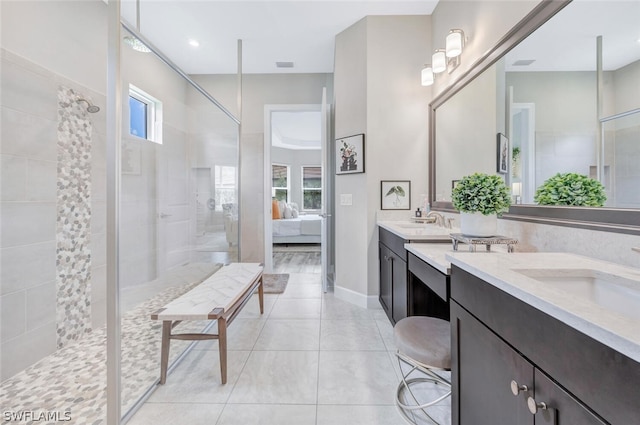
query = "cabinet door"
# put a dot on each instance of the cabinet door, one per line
(561, 408)
(483, 367)
(385, 278)
(399, 288)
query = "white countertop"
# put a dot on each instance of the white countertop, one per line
(601, 321)
(432, 254)
(417, 231)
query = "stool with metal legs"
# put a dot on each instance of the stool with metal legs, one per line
(424, 344)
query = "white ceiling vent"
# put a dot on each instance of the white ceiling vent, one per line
(284, 64)
(524, 62)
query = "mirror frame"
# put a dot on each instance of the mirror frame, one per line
(616, 220)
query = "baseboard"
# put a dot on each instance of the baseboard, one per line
(356, 298)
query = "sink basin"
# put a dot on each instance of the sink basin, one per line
(615, 293)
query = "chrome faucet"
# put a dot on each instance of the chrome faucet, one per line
(439, 218)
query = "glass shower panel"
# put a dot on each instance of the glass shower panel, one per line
(178, 220)
(621, 152)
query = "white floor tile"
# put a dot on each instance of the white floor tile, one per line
(304, 278)
(334, 308)
(358, 415)
(302, 290)
(350, 335)
(268, 414)
(197, 378)
(356, 377)
(177, 413)
(289, 335)
(291, 308)
(252, 309)
(386, 331)
(242, 335)
(287, 377)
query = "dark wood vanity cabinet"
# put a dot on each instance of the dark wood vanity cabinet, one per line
(428, 290)
(570, 378)
(393, 275)
(408, 285)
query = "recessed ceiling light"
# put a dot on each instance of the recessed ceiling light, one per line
(194, 43)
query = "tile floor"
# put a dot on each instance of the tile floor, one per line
(310, 359)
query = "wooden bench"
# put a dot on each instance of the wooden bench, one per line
(220, 297)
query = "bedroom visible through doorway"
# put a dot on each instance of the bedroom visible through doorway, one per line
(296, 181)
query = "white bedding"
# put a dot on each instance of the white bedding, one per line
(303, 225)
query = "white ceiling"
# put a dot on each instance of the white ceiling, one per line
(568, 41)
(298, 31)
(299, 130)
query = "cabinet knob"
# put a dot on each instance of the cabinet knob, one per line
(534, 405)
(517, 388)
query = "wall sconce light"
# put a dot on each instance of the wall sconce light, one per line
(454, 43)
(446, 59)
(439, 61)
(427, 75)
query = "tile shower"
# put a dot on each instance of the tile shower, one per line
(48, 193)
(53, 237)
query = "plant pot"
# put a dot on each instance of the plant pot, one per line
(479, 225)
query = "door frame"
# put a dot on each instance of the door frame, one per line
(268, 229)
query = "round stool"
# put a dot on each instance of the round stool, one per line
(424, 344)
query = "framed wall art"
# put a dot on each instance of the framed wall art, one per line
(503, 153)
(350, 154)
(395, 194)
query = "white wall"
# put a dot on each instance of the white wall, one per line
(378, 93)
(260, 90)
(483, 22)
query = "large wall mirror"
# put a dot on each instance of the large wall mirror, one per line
(564, 88)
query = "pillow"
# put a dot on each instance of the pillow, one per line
(294, 206)
(294, 213)
(281, 207)
(288, 212)
(275, 209)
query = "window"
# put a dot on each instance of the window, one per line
(311, 188)
(145, 115)
(280, 182)
(225, 182)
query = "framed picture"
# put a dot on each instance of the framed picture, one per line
(395, 194)
(503, 153)
(454, 183)
(350, 154)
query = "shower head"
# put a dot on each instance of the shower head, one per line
(91, 108)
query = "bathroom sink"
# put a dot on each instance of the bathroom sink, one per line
(616, 293)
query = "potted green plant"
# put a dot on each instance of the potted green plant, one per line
(571, 189)
(480, 198)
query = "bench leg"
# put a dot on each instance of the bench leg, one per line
(222, 346)
(261, 295)
(164, 356)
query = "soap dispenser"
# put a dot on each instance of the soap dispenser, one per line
(418, 212)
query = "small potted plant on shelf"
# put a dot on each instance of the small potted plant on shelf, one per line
(571, 189)
(480, 198)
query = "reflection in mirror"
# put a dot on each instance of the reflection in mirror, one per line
(555, 120)
(464, 151)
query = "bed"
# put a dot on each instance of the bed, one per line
(303, 229)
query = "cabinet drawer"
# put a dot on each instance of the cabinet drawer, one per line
(431, 277)
(393, 242)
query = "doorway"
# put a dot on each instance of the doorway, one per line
(295, 186)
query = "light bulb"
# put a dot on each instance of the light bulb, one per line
(439, 61)
(454, 43)
(427, 75)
